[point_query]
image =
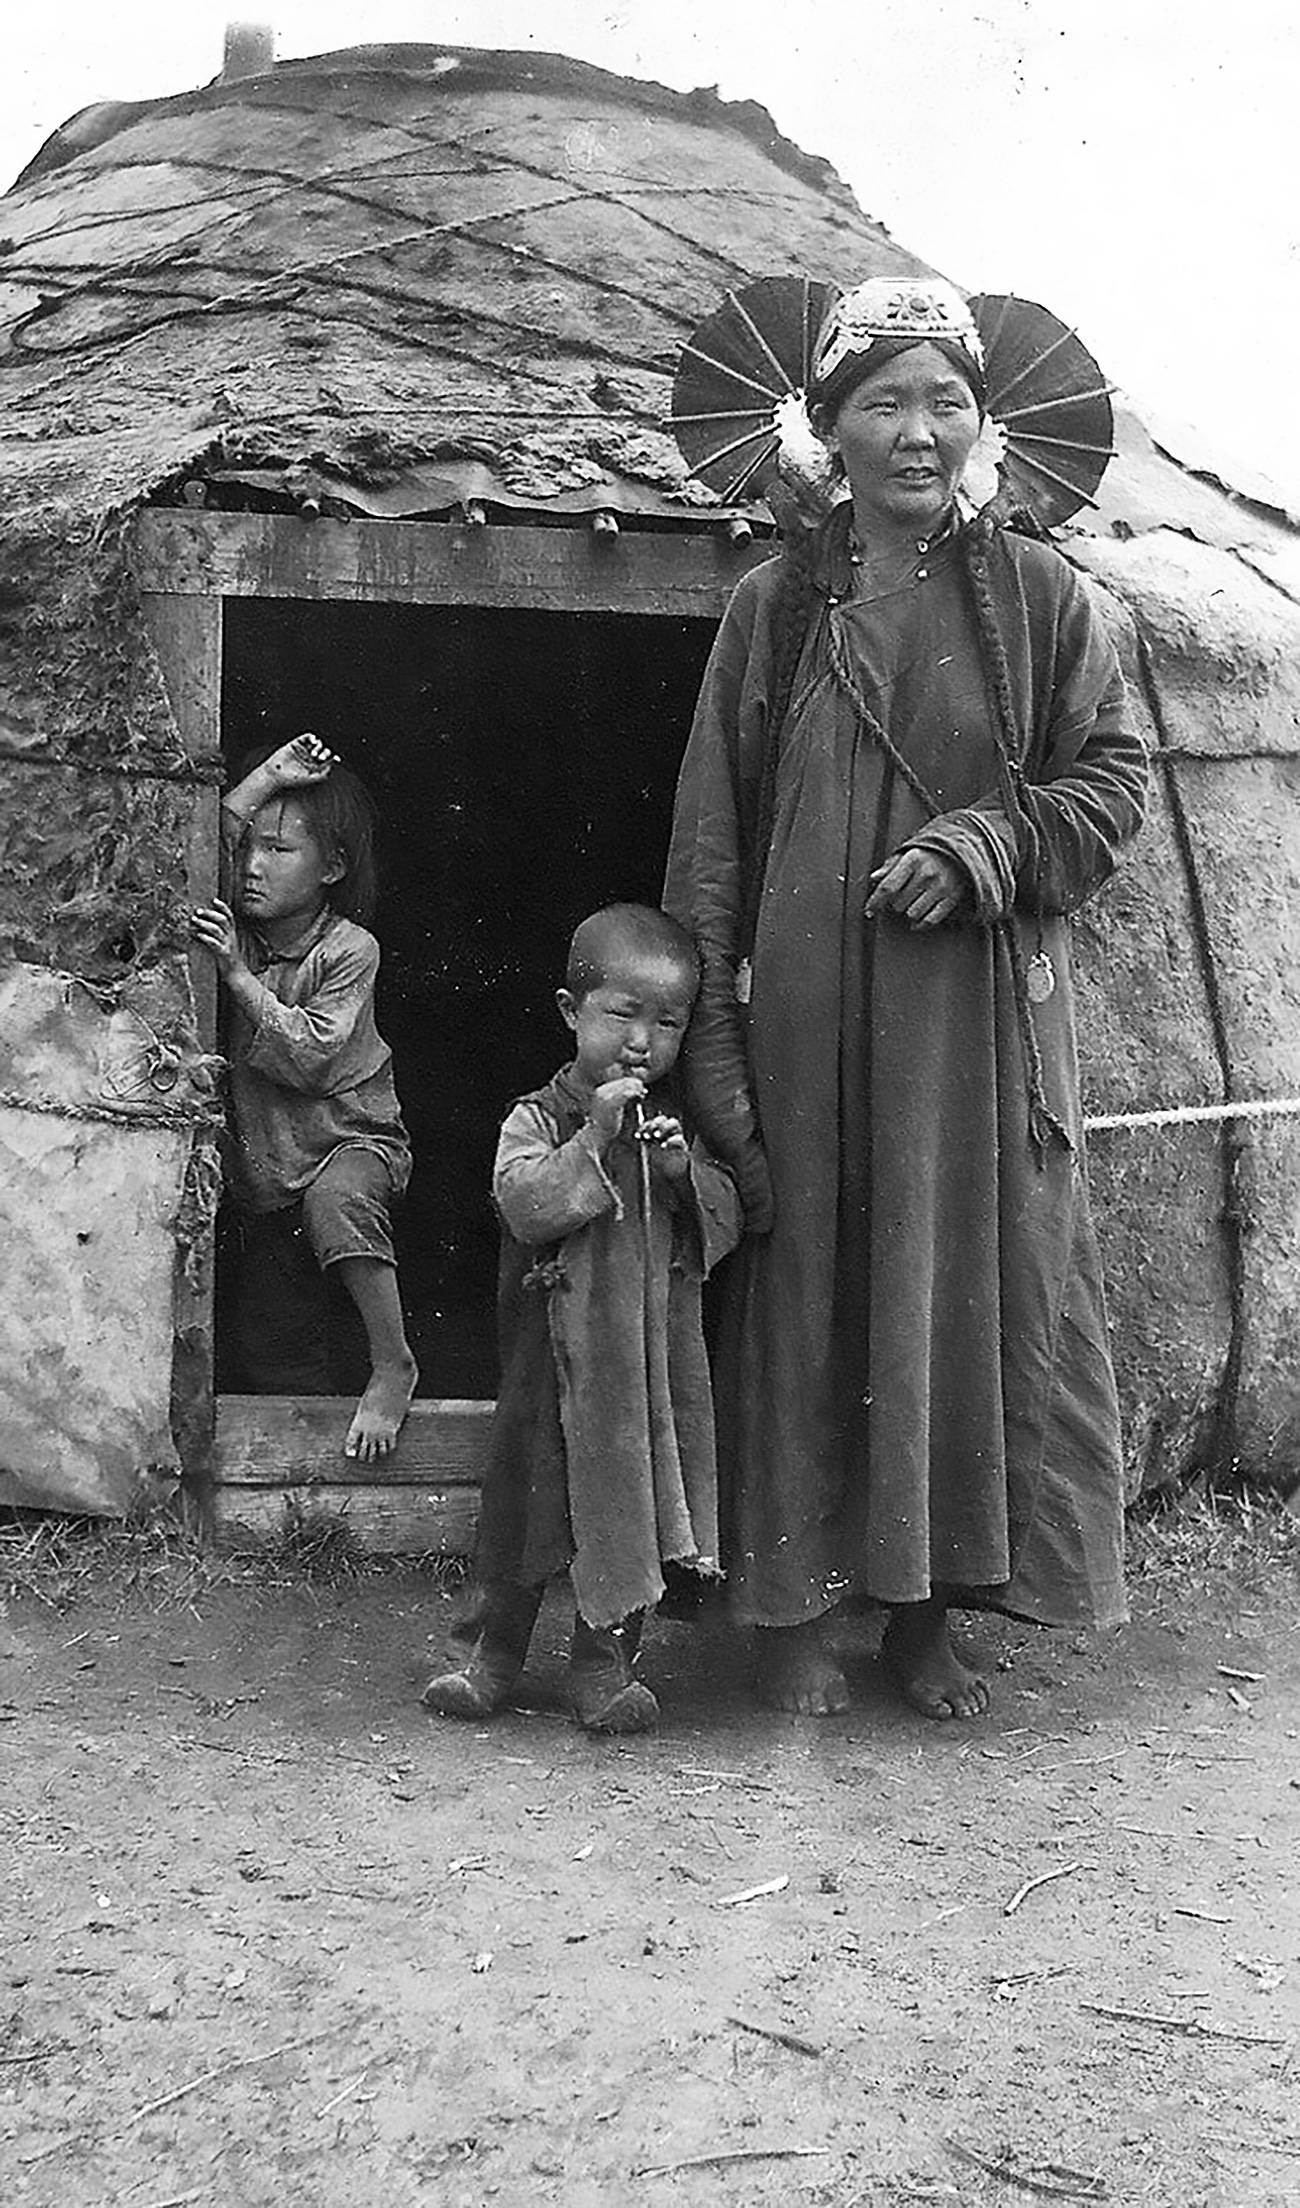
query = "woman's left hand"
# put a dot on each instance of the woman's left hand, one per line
(921, 887)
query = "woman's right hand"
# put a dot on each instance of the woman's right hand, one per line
(921, 887)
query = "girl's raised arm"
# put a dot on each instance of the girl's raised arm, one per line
(302, 760)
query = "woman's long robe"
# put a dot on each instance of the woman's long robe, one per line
(914, 1387)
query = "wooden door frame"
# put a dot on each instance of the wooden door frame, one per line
(250, 1461)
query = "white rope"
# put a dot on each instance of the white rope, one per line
(1187, 1115)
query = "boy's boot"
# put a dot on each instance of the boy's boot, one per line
(485, 1651)
(603, 1695)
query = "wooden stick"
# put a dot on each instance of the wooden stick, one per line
(726, 2154)
(734, 1778)
(755, 1893)
(1044, 1878)
(223, 2070)
(344, 2091)
(1087, 2188)
(645, 1205)
(1243, 2146)
(1190, 2026)
(783, 2039)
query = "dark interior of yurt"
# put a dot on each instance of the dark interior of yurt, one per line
(338, 395)
(524, 765)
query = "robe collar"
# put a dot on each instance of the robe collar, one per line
(296, 951)
(832, 557)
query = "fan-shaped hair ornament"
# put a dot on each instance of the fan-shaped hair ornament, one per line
(740, 417)
(1052, 403)
(738, 410)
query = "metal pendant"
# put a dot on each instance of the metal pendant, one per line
(744, 981)
(1040, 980)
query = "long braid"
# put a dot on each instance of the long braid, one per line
(1011, 747)
(974, 541)
(796, 597)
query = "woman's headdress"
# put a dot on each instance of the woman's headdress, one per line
(749, 373)
(889, 310)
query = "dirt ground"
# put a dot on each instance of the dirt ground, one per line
(273, 1935)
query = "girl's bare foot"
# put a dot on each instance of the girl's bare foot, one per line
(797, 1672)
(919, 1656)
(378, 1417)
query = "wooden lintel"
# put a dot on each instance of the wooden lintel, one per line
(691, 571)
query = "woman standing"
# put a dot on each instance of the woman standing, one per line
(910, 761)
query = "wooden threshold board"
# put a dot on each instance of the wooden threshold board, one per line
(277, 1457)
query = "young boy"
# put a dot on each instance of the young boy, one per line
(316, 1150)
(602, 1455)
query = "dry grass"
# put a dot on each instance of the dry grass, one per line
(320, 1548)
(1196, 1541)
(155, 1563)
(162, 1563)
(316, 1545)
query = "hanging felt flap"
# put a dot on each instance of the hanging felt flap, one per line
(98, 1118)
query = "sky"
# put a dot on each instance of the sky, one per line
(1131, 164)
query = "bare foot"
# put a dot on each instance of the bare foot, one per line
(919, 1656)
(797, 1672)
(377, 1419)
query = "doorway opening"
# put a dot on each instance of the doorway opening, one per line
(524, 765)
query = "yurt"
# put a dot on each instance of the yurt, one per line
(336, 395)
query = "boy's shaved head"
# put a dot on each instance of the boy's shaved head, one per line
(619, 933)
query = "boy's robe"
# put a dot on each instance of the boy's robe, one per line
(602, 1457)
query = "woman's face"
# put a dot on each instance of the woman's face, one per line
(905, 435)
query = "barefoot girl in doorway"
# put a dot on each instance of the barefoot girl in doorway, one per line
(316, 1151)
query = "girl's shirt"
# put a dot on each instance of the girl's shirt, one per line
(312, 1074)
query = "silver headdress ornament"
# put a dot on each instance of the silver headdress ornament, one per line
(887, 306)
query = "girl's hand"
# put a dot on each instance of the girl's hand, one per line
(609, 1103)
(303, 759)
(666, 1142)
(214, 927)
(921, 887)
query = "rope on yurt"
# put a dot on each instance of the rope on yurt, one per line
(1232, 1138)
(115, 1115)
(1196, 1115)
(194, 770)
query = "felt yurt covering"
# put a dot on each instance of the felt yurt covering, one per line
(400, 281)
